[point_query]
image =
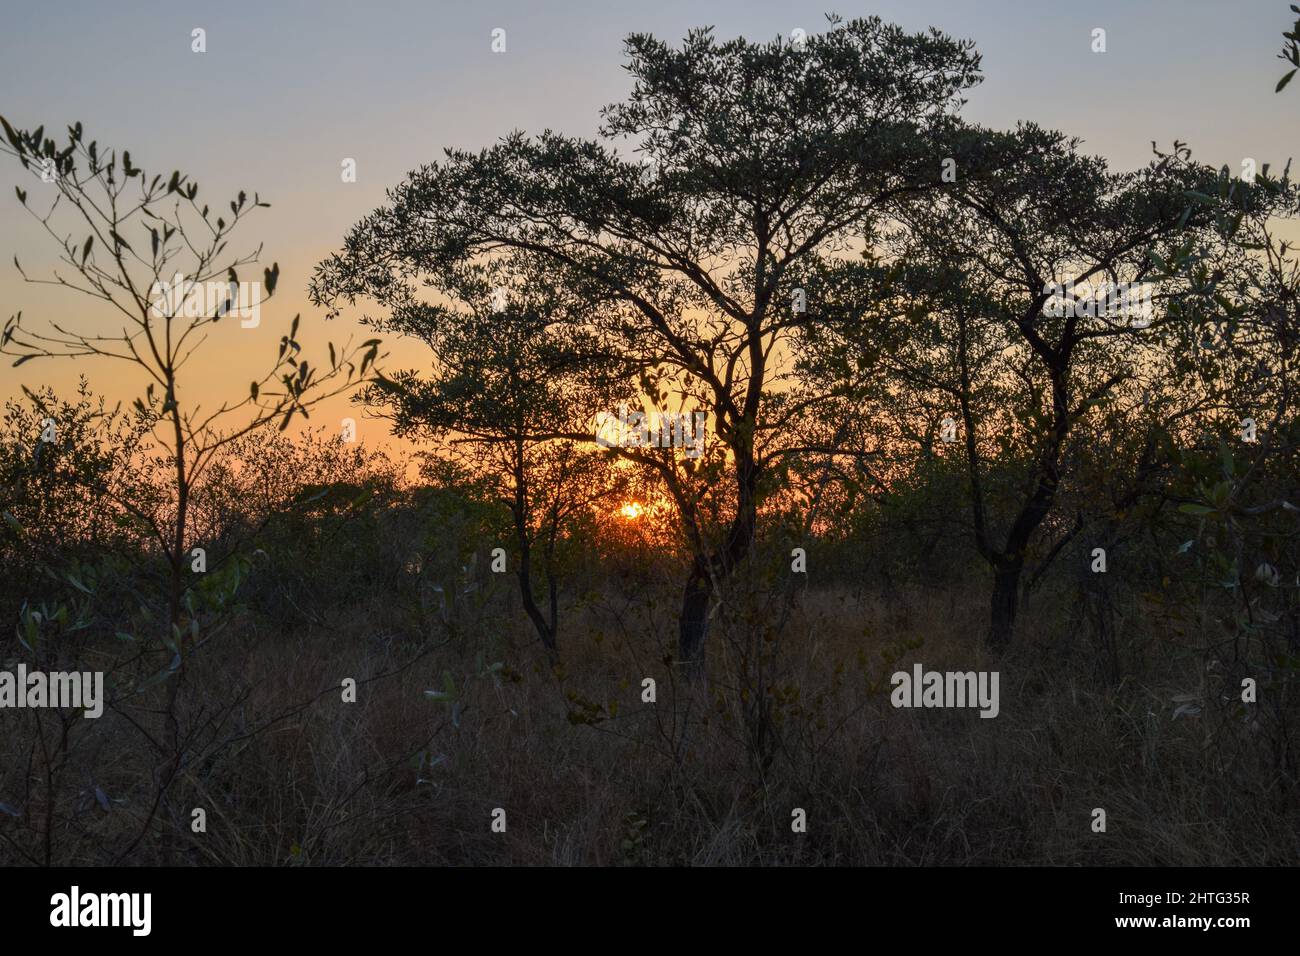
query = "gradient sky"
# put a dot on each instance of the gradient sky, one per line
(287, 90)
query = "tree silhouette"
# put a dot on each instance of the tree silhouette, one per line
(756, 160)
(1009, 322)
(152, 255)
(513, 387)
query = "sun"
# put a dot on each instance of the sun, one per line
(632, 511)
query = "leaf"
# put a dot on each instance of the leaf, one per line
(1281, 84)
(1195, 509)
(162, 675)
(12, 136)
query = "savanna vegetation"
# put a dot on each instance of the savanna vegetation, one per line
(970, 398)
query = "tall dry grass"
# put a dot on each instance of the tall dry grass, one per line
(588, 774)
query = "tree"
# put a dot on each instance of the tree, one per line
(511, 384)
(1021, 311)
(756, 159)
(157, 261)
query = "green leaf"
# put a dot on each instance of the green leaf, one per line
(1281, 84)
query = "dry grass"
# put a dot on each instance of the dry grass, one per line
(589, 775)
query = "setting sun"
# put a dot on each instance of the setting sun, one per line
(631, 511)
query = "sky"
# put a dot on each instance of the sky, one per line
(286, 91)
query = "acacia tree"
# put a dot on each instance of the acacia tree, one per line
(755, 159)
(512, 383)
(1008, 326)
(148, 251)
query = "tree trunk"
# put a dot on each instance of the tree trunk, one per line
(1008, 565)
(1006, 599)
(519, 511)
(176, 582)
(694, 623)
(720, 565)
(545, 630)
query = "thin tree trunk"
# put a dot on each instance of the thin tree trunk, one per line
(1005, 603)
(707, 570)
(176, 590)
(694, 622)
(519, 509)
(545, 630)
